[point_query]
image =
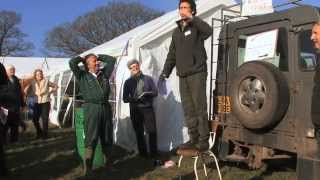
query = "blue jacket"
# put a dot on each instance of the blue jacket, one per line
(130, 95)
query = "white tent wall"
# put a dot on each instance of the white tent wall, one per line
(149, 44)
(26, 65)
(62, 79)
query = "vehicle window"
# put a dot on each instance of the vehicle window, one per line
(308, 55)
(280, 60)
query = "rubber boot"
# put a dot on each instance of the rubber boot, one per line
(109, 159)
(88, 160)
(107, 153)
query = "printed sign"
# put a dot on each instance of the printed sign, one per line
(256, 7)
(261, 46)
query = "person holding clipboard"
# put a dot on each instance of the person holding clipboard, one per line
(139, 91)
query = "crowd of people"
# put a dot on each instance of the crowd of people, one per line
(12, 102)
(186, 53)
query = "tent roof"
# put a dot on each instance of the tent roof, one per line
(153, 29)
(26, 65)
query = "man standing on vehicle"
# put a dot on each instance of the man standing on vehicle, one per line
(188, 55)
(315, 112)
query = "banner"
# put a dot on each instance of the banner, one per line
(256, 7)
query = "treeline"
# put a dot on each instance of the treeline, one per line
(72, 38)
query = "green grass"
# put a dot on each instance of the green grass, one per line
(55, 158)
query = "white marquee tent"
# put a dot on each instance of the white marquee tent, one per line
(149, 44)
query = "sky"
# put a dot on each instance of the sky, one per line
(40, 16)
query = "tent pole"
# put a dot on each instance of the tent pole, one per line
(73, 100)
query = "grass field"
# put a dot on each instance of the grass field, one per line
(56, 158)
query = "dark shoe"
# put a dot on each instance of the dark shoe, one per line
(144, 155)
(110, 168)
(39, 135)
(45, 136)
(158, 162)
(154, 155)
(188, 145)
(203, 146)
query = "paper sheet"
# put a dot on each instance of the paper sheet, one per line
(3, 115)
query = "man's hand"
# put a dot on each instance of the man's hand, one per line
(162, 78)
(133, 100)
(162, 89)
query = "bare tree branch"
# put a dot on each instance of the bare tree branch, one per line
(97, 27)
(12, 41)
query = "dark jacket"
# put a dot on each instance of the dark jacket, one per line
(3, 85)
(94, 90)
(187, 52)
(315, 100)
(14, 90)
(129, 91)
(10, 93)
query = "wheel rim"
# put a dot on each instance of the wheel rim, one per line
(252, 94)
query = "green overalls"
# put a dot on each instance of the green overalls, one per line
(97, 110)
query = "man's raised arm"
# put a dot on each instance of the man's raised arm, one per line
(109, 63)
(74, 66)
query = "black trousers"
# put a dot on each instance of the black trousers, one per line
(12, 124)
(41, 110)
(143, 120)
(3, 167)
(194, 104)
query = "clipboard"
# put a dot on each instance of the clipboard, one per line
(145, 93)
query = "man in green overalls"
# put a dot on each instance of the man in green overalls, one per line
(94, 87)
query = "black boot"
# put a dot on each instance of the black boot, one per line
(203, 146)
(107, 153)
(153, 146)
(188, 145)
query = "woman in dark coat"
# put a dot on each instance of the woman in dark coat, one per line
(3, 84)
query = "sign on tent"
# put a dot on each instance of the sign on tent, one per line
(256, 7)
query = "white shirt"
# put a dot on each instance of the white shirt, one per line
(94, 74)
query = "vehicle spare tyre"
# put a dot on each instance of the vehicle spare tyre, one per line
(259, 95)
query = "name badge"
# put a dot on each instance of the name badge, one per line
(187, 33)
